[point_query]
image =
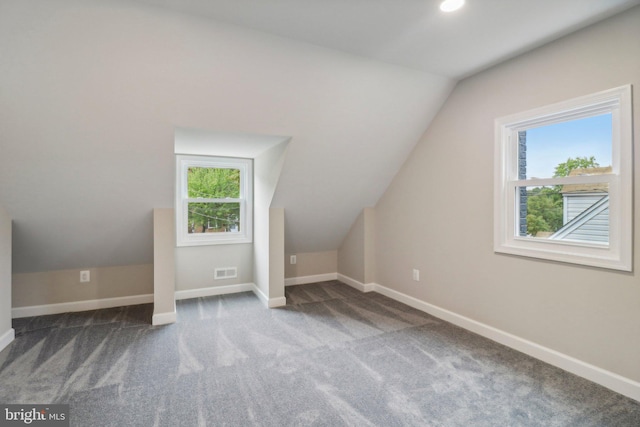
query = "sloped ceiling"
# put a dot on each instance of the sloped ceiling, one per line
(413, 33)
(91, 93)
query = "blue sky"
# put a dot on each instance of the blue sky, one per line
(548, 146)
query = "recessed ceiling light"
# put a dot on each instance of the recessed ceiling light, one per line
(451, 5)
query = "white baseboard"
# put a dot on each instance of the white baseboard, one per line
(303, 280)
(362, 287)
(232, 289)
(269, 302)
(164, 318)
(610, 380)
(66, 307)
(214, 290)
(277, 302)
(256, 290)
(7, 338)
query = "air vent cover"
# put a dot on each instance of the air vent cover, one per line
(226, 273)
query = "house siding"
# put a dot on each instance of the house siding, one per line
(595, 229)
(575, 205)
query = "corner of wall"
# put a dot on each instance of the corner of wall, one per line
(268, 235)
(356, 255)
(276, 253)
(7, 333)
(164, 269)
(311, 267)
(369, 245)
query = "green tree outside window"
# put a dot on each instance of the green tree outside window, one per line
(545, 204)
(213, 183)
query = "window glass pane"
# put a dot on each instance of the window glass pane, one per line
(213, 183)
(213, 218)
(557, 149)
(576, 212)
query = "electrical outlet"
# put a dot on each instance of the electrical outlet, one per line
(416, 275)
(293, 259)
(85, 276)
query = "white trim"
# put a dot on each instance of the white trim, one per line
(214, 290)
(245, 235)
(277, 302)
(164, 318)
(610, 380)
(303, 280)
(66, 307)
(7, 338)
(356, 284)
(231, 289)
(269, 302)
(261, 296)
(617, 254)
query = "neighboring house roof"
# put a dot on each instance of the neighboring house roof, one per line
(588, 188)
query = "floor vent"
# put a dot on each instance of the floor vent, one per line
(226, 273)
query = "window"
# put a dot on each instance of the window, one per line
(213, 200)
(563, 181)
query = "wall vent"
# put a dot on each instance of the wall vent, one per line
(226, 273)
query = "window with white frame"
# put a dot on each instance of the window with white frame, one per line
(563, 181)
(213, 200)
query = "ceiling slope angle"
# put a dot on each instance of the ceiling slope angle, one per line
(413, 33)
(96, 90)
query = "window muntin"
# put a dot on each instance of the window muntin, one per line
(595, 128)
(213, 200)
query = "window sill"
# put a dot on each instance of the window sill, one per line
(601, 256)
(218, 240)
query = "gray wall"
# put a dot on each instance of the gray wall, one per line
(62, 286)
(311, 264)
(96, 88)
(437, 215)
(356, 255)
(351, 251)
(195, 265)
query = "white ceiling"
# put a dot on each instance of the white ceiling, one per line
(413, 33)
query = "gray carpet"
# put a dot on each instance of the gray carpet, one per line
(332, 357)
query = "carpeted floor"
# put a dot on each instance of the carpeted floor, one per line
(332, 357)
